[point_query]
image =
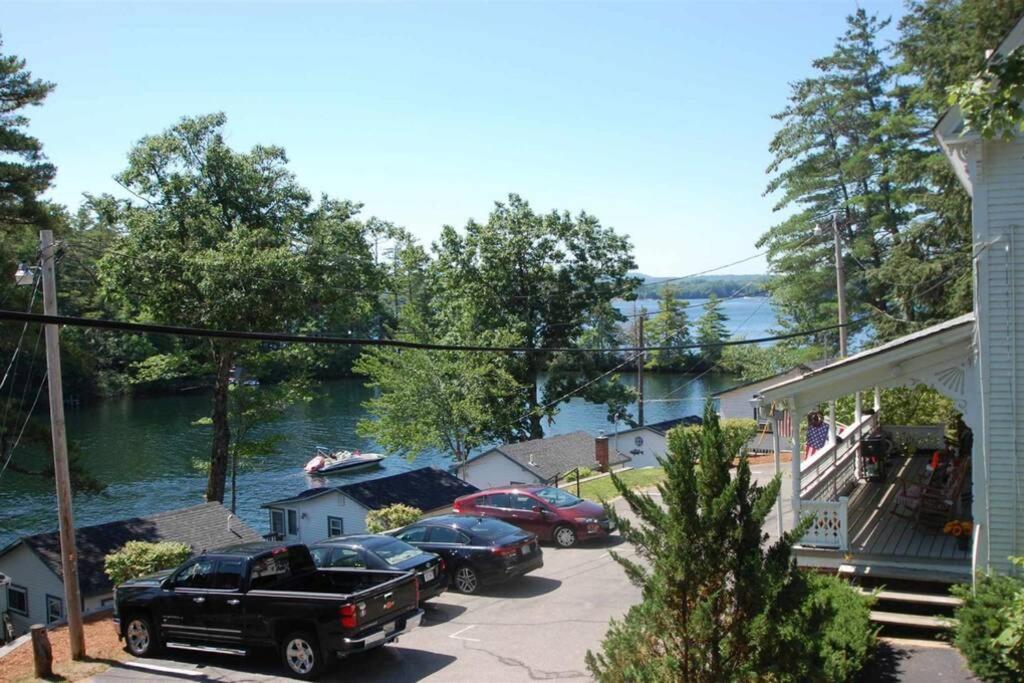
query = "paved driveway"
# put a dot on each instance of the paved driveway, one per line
(536, 628)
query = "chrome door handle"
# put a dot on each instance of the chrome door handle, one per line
(199, 600)
(233, 602)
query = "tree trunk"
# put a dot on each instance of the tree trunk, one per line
(536, 429)
(221, 429)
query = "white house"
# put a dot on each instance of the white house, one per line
(644, 445)
(35, 593)
(326, 511)
(539, 460)
(975, 360)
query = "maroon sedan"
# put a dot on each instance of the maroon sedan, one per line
(551, 513)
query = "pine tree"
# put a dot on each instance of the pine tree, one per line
(716, 595)
(711, 330)
(24, 172)
(670, 326)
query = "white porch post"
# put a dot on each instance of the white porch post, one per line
(878, 400)
(778, 465)
(833, 431)
(794, 461)
(858, 414)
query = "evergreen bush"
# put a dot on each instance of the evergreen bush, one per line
(981, 620)
(719, 602)
(138, 558)
(391, 517)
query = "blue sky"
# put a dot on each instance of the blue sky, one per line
(653, 117)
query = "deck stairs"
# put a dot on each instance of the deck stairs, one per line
(909, 607)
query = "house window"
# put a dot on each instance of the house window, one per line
(293, 523)
(54, 609)
(276, 521)
(335, 526)
(17, 599)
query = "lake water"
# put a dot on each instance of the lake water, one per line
(144, 448)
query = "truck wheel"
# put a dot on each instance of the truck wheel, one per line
(140, 637)
(466, 580)
(302, 656)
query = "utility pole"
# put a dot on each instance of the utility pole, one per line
(65, 516)
(840, 286)
(640, 360)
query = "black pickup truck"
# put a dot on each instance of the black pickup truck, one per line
(259, 595)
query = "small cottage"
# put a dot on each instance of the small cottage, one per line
(539, 461)
(326, 511)
(35, 591)
(644, 445)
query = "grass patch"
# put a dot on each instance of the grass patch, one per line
(603, 489)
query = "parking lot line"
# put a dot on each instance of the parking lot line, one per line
(456, 635)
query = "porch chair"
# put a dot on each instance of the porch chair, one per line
(938, 504)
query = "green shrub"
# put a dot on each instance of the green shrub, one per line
(391, 517)
(585, 472)
(981, 620)
(138, 558)
(1010, 642)
(830, 629)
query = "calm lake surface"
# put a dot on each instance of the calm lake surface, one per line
(144, 448)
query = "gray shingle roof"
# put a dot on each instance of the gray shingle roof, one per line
(427, 488)
(555, 455)
(201, 527)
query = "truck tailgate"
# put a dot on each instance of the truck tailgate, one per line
(381, 604)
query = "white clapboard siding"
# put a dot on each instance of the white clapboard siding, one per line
(999, 222)
(313, 526)
(494, 469)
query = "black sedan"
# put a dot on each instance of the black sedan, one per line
(477, 550)
(383, 552)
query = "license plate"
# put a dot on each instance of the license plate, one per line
(428, 576)
(527, 550)
(389, 628)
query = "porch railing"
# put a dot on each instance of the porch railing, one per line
(829, 528)
(832, 471)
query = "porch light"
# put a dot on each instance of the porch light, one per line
(24, 275)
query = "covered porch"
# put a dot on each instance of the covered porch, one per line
(882, 515)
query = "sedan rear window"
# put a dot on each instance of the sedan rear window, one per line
(396, 552)
(557, 497)
(488, 529)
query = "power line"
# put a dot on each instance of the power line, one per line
(28, 416)
(282, 337)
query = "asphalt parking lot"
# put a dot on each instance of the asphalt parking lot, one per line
(538, 627)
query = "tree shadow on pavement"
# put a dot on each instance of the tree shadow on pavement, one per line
(886, 667)
(523, 587)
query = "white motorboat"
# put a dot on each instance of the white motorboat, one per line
(327, 461)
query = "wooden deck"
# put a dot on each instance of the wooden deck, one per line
(887, 546)
(875, 530)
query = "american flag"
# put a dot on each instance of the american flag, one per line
(785, 422)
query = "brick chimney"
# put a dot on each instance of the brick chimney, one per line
(601, 451)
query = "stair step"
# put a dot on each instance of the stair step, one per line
(916, 598)
(912, 620)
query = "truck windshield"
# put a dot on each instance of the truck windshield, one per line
(395, 552)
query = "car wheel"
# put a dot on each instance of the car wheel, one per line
(302, 655)
(139, 636)
(565, 536)
(466, 580)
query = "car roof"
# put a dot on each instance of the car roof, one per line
(509, 489)
(362, 540)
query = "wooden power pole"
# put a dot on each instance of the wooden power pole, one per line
(65, 516)
(640, 360)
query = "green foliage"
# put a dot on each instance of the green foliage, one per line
(1010, 642)
(585, 472)
(917, 405)
(719, 602)
(670, 326)
(711, 330)
(991, 102)
(391, 517)
(751, 362)
(723, 286)
(138, 558)
(25, 173)
(737, 431)
(982, 620)
(449, 400)
(542, 279)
